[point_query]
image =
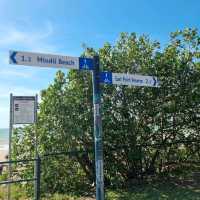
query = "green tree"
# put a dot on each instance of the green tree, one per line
(144, 128)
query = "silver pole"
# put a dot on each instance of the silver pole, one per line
(37, 161)
(10, 143)
(35, 121)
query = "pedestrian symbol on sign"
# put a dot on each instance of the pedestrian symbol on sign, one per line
(106, 77)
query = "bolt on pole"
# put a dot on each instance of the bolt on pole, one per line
(98, 131)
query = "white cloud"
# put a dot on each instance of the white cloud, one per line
(32, 40)
(23, 38)
(16, 90)
(13, 73)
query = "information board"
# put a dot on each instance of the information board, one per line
(24, 109)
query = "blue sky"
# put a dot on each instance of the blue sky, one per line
(62, 26)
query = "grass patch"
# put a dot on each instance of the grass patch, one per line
(154, 191)
(163, 191)
(16, 193)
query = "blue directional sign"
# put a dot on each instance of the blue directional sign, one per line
(128, 79)
(86, 63)
(49, 60)
(106, 77)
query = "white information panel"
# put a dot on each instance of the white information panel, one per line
(24, 110)
(129, 79)
(134, 79)
(49, 60)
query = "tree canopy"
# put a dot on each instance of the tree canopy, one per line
(144, 128)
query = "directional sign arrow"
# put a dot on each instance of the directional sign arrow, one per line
(155, 81)
(128, 79)
(13, 57)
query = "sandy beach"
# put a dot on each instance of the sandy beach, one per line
(3, 150)
(3, 154)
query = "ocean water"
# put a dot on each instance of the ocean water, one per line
(4, 138)
(4, 134)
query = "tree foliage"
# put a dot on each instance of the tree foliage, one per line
(144, 128)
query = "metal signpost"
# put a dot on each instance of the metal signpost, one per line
(23, 110)
(98, 131)
(57, 61)
(10, 139)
